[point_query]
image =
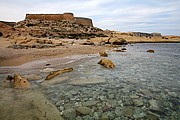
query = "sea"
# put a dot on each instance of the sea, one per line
(142, 86)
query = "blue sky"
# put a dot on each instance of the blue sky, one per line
(120, 15)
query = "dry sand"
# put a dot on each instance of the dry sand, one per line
(13, 57)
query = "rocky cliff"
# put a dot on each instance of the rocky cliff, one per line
(59, 29)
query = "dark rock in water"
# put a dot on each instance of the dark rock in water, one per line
(103, 54)
(123, 49)
(150, 51)
(106, 63)
(119, 50)
(48, 64)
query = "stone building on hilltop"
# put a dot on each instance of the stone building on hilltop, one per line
(61, 17)
(147, 35)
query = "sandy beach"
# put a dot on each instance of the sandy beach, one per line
(13, 57)
(53, 70)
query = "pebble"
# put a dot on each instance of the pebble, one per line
(70, 113)
(154, 105)
(137, 102)
(89, 103)
(152, 116)
(127, 112)
(84, 110)
(118, 111)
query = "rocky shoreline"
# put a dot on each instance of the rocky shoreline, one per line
(95, 88)
(107, 98)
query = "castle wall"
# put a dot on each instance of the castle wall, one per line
(58, 17)
(61, 17)
(83, 21)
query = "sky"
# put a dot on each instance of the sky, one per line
(120, 15)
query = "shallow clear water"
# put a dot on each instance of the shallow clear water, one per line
(147, 76)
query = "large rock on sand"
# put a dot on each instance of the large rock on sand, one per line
(20, 82)
(106, 63)
(28, 105)
(56, 73)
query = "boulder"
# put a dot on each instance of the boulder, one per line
(103, 54)
(118, 41)
(106, 63)
(56, 73)
(20, 82)
(150, 51)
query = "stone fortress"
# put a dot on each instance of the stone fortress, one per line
(61, 17)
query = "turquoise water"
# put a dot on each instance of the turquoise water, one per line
(142, 86)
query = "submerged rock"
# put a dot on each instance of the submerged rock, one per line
(128, 112)
(154, 105)
(89, 103)
(150, 51)
(56, 73)
(103, 54)
(152, 116)
(84, 110)
(119, 50)
(70, 113)
(106, 63)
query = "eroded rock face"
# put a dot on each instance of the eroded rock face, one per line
(20, 82)
(106, 63)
